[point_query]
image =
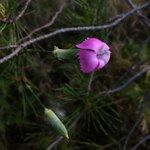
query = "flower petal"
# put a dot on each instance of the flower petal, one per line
(88, 60)
(91, 44)
(105, 47)
(104, 58)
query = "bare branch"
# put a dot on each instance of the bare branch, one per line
(58, 140)
(64, 30)
(131, 132)
(8, 47)
(142, 108)
(22, 11)
(127, 82)
(145, 19)
(46, 25)
(141, 142)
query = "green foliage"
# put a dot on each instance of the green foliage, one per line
(36, 78)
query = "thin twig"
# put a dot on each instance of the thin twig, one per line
(136, 63)
(145, 19)
(141, 142)
(142, 108)
(131, 132)
(64, 30)
(8, 47)
(46, 25)
(59, 139)
(22, 11)
(121, 87)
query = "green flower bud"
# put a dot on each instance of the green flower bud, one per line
(55, 122)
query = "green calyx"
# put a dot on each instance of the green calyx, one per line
(64, 54)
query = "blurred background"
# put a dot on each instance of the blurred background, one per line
(36, 77)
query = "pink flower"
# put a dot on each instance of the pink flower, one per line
(93, 54)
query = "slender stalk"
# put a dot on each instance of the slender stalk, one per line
(90, 83)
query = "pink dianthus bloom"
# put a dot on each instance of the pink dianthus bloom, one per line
(93, 54)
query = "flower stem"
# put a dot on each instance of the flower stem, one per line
(89, 83)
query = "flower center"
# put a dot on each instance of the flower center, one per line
(102, 54)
